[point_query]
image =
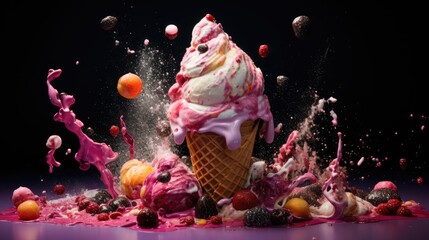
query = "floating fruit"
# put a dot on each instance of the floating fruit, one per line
(129, 85)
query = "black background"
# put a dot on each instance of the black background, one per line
(370, 56)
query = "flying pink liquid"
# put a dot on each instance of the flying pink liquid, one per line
(53, 142)
(90, 152)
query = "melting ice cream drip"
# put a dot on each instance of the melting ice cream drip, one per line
(333, 189)
(90, 152)
(54, 142)
(127, 137)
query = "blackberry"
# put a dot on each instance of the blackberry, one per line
(257, 217)
(280, 216)
(205, 207)
(102, 196)
(120, 201)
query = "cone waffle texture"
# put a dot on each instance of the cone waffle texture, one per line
(220, 171)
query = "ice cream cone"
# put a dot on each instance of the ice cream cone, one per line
(221, 171)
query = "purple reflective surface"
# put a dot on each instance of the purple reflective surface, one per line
(415, 228)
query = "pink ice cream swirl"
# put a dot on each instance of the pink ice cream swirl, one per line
(217, 88)
(175, 195)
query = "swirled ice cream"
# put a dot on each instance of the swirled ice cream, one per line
(217, 88)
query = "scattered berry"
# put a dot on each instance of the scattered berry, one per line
(257, 217)
(83, 203)
(147, 218)
(394, 204)
(383, 209)
(92, 208)
(103, 216)
(216, 220)
(118, 202)
(28, 210)
(104, 208)
(59, 189)
(404, 211)
(210, 17)
(114, 130)
(280, 216)
(244, 199)
(115, 215)
(205, 207)
(263, 51)
(102, 196)
(79, 198)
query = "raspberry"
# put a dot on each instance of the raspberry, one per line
(394, 204)
(404, 211)
(92, 208)
(216, 220)
(79, 198)
(383, 209)
(59, 189)
(83, 203)
(103, 216)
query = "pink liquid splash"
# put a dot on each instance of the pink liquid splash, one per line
(90, 152)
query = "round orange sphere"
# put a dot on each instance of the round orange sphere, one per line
(28, 210)
(130, 85)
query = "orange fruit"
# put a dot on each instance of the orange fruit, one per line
(130, 85)
(28, 210)
(298, 207)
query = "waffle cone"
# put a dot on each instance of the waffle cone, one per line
(220, 171)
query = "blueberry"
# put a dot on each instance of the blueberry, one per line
(202, 48)
(105, 208)
(164, 177)
(147, 218)
(118, 202)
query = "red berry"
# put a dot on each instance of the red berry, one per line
(103, 216)
(244, 199)
(83, 203)
(114, 130)
(216, 219)
(59, 189)
(210, 17)
(79, 198)
(383, 209)
(404, 211)
(92, 208)
(393, 204)
(264, 50)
